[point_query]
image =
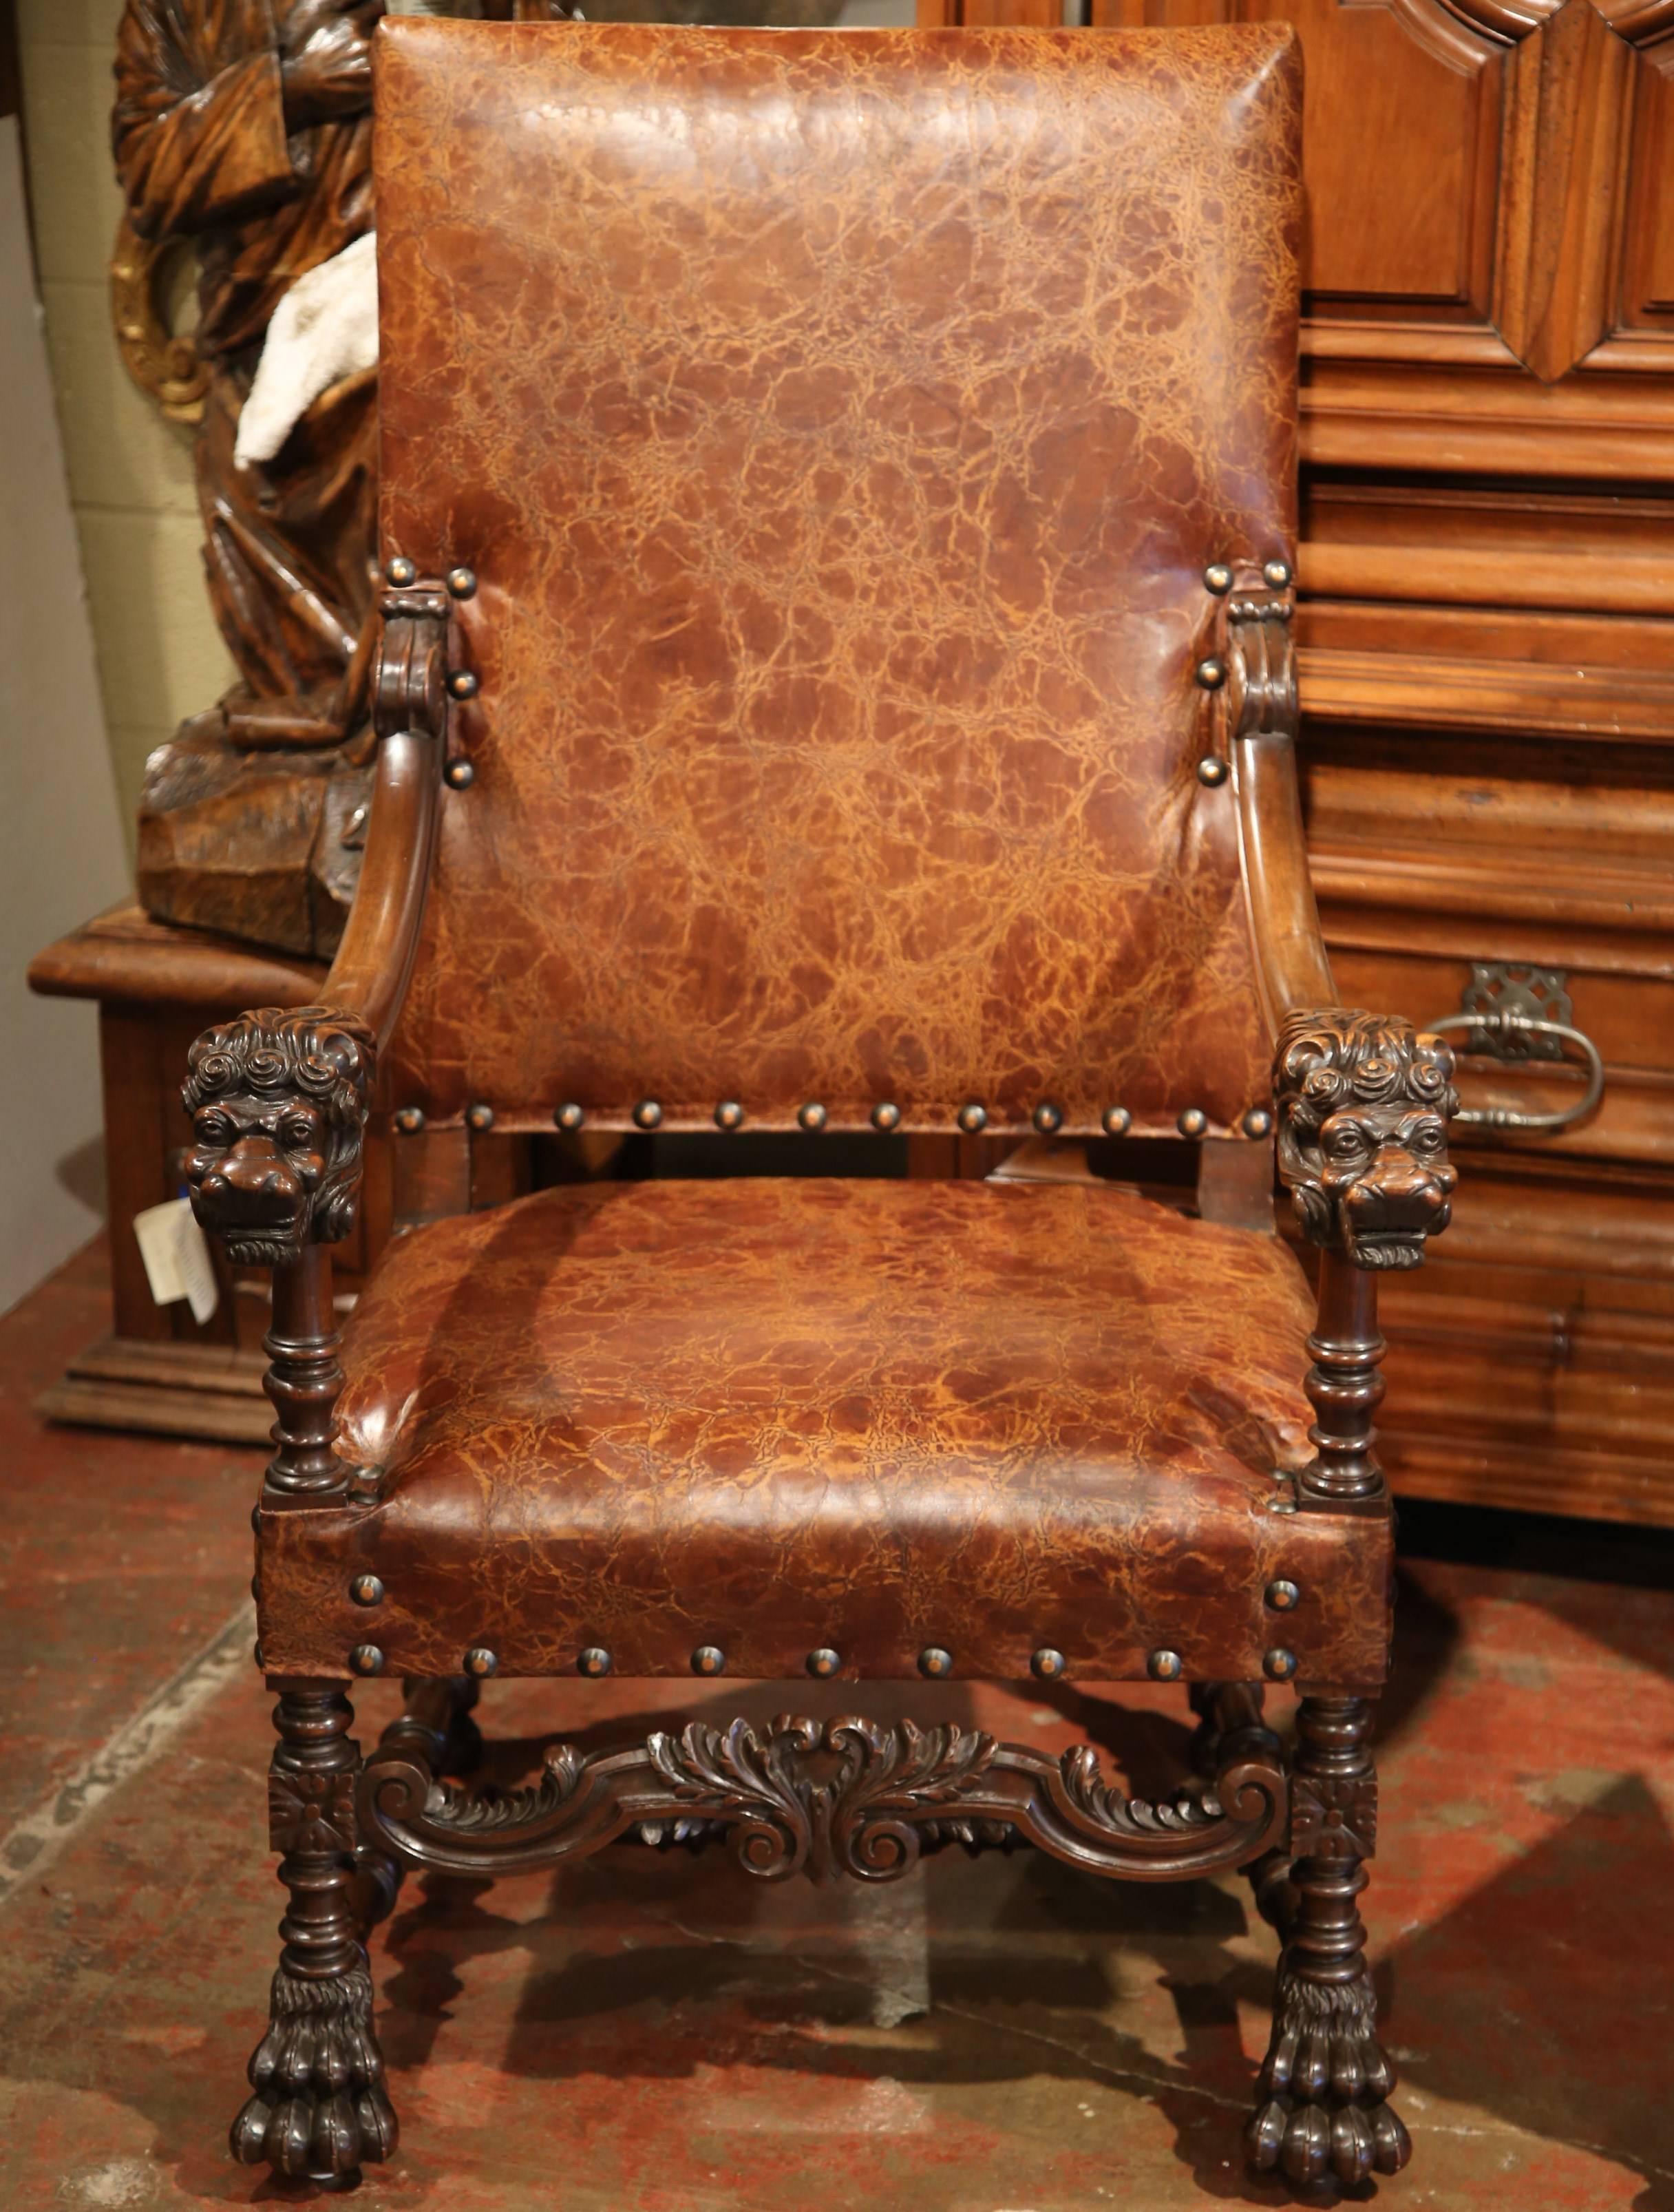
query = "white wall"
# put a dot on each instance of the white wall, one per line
(62, 852)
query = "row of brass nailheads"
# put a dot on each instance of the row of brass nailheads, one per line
(1115, 1121)
(935, 1662)
(401, 572)
(1211, 672)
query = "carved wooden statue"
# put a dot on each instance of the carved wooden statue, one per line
(839, 676)
(245, 127)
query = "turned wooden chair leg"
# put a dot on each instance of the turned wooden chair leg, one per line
(1322, 2101)
(318, 2107)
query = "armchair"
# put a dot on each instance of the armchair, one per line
(836, 672)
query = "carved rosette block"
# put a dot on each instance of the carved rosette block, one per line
(846, 1797)
(1363, 1102)
(278, 1100)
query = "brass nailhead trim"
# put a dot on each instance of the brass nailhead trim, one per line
(401, 571)
(1282, 1596)
(934, 1663)
(1047, 1664)
(569, 1117)
(972, 1118)
(1193, 1122)
(647, 1114)
(1217, 577)
(366, 1589)
(1116, 1121)
(462, 684)
(1276, 574)
(594, 1662)
(729, 1115)
(1278, 1665)
(1047, 1117)
(481, 1117)
(1212, 772)
(461, 582)
(1257, 1123)
(812, 1115)
(824, 1661)
(885, 1117)
(459, 775)
(367, 1659)
(481, 1662)
(256, 1654)
(708, 1659)
(410, 1121)
(1210, 674)
(1165, 1665)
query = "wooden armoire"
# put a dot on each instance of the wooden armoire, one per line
(1487, 659)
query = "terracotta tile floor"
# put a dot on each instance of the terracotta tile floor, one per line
(995, 2035)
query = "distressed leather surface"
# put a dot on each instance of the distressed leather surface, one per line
(775, 1415)
(839, 425)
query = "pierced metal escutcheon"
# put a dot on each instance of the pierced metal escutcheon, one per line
(1519, 1015)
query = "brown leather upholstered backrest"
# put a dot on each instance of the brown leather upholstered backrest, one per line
(839, 425)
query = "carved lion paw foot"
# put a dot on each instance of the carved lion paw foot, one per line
(319, 2107)
(1322, 2107)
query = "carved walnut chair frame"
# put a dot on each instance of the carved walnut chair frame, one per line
(279, 1102)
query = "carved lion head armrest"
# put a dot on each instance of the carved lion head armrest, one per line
(278, 1101)
(1363, 1102)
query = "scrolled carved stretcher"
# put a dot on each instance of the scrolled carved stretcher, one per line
(832, 677)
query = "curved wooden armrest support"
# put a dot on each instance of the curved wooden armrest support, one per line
(1263, 716)
(279, 1099)
(1362, 1101)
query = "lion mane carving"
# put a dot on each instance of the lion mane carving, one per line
(1363, 1103)
(278, 1101)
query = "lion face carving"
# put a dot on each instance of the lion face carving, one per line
(1363, 1104)
(278, 1101)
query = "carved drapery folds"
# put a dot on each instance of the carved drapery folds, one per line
(1363, 1102)
(278, 1100)
(843, 1796)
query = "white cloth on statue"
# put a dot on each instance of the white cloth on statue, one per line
(325, 328)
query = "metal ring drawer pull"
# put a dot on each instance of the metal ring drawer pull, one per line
(1509, 1024)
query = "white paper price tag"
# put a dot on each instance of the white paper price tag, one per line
(177, 1259)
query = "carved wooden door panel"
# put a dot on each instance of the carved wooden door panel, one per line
(1486, 640)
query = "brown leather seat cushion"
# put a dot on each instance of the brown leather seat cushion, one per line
(876, 1416)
